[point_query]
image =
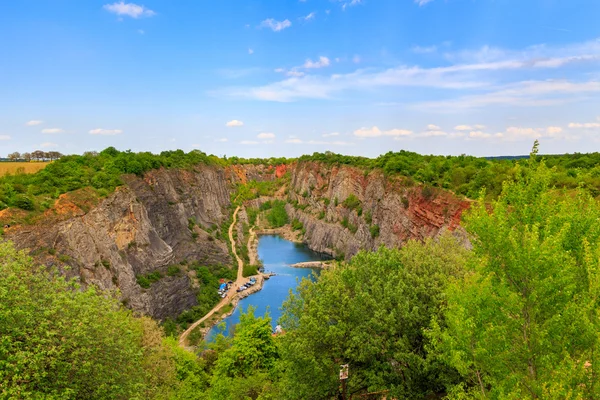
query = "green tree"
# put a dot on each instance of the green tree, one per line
(369, 313)
(59, 342)
(244, 370)
(523, 324)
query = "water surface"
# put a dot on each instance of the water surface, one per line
(276, 254)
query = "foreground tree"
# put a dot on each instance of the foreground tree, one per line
(523, 324)
(370, 314)
(59, 342)
(14, 156)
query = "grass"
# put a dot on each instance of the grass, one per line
(13, 168)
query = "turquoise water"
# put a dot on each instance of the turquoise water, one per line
(276, 254)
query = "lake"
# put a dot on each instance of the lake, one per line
(276, 254)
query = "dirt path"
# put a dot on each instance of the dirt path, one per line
(231, 293)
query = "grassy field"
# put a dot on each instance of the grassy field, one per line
(27, 167)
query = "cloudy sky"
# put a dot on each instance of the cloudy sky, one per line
(289, 77)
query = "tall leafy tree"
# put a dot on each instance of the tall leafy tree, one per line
(370, 314)
(523, 324)
(59, 342)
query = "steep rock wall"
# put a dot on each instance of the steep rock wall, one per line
(401, 211)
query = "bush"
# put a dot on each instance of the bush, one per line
(374, 231)
(173, 270)
(146, 280)
(351, 202)
(297, 225)
(278, 216)
(321, 215)
(24, 202)
(368, 217)
(250, 269)
(404, 201)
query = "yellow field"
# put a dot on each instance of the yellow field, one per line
(28, 167)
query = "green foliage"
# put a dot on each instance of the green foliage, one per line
(278, 216)
(524, 322)
(61, 342)
(148, 279)
(404, 200)
(348, 225)
(335, 201)
(369, 217)
(252, 215)
(352, 202)
(321, 215)
(297, 225)
(326, 201)
(24, 202)
(374, 229)
(173, 270)
(370, 313)
(266, 205)
(208, 277)
(250, 269)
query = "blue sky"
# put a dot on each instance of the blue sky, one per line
(265, 78)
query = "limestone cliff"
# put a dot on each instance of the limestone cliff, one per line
(388, 212)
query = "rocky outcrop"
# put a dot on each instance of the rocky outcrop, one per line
(388, 211)
(143, 227)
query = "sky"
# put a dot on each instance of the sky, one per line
(262, 78)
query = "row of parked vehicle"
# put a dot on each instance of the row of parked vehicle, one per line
(224, 288)
(248, 284)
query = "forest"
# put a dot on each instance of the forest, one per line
(514, 316)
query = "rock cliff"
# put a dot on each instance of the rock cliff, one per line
(379, 210)
(168, 217)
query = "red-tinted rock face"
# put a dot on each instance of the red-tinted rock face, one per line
(389, 212)
(280, 170)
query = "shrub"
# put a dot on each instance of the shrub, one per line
(374, 231)
(404, 201)
(368, 217)
(297, 225)
(173, 270)
(24, 202)
(278, 216)
(146, 280)
(351, 202)
(250, 269)
(321, 215)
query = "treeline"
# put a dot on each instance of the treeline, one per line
(467, 175)
(101, 171)
(37, 155)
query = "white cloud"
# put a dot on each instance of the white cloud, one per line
(129, 9)
(33, 122)
(349, 3)
(422, 2)
(250, 51)
(463, 128)
(52, 130)
(330, 134)
(265, 135)
(433, 130)
(309, 17)
(587, 125)
(222, 140)
(524, 94)
(319, 142)
(250, 142)
(107, 132)
(48, 145)
(274, 25)
(423, 50)
(356, 59)
(233, 123)
(322, 62)
(4, 137)
(376, 132)
(294, 73)
(432, 127)
(554, 130)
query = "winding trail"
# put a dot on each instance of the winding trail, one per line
(231, 293)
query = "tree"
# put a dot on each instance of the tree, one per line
(27, 156)
(245, 369)
(370, 314)
(523, 324)
(61, 342)
(14, 156)
(37, 155)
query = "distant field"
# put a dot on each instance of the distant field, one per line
(28, 167)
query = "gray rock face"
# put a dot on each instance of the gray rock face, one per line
(141, 228)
